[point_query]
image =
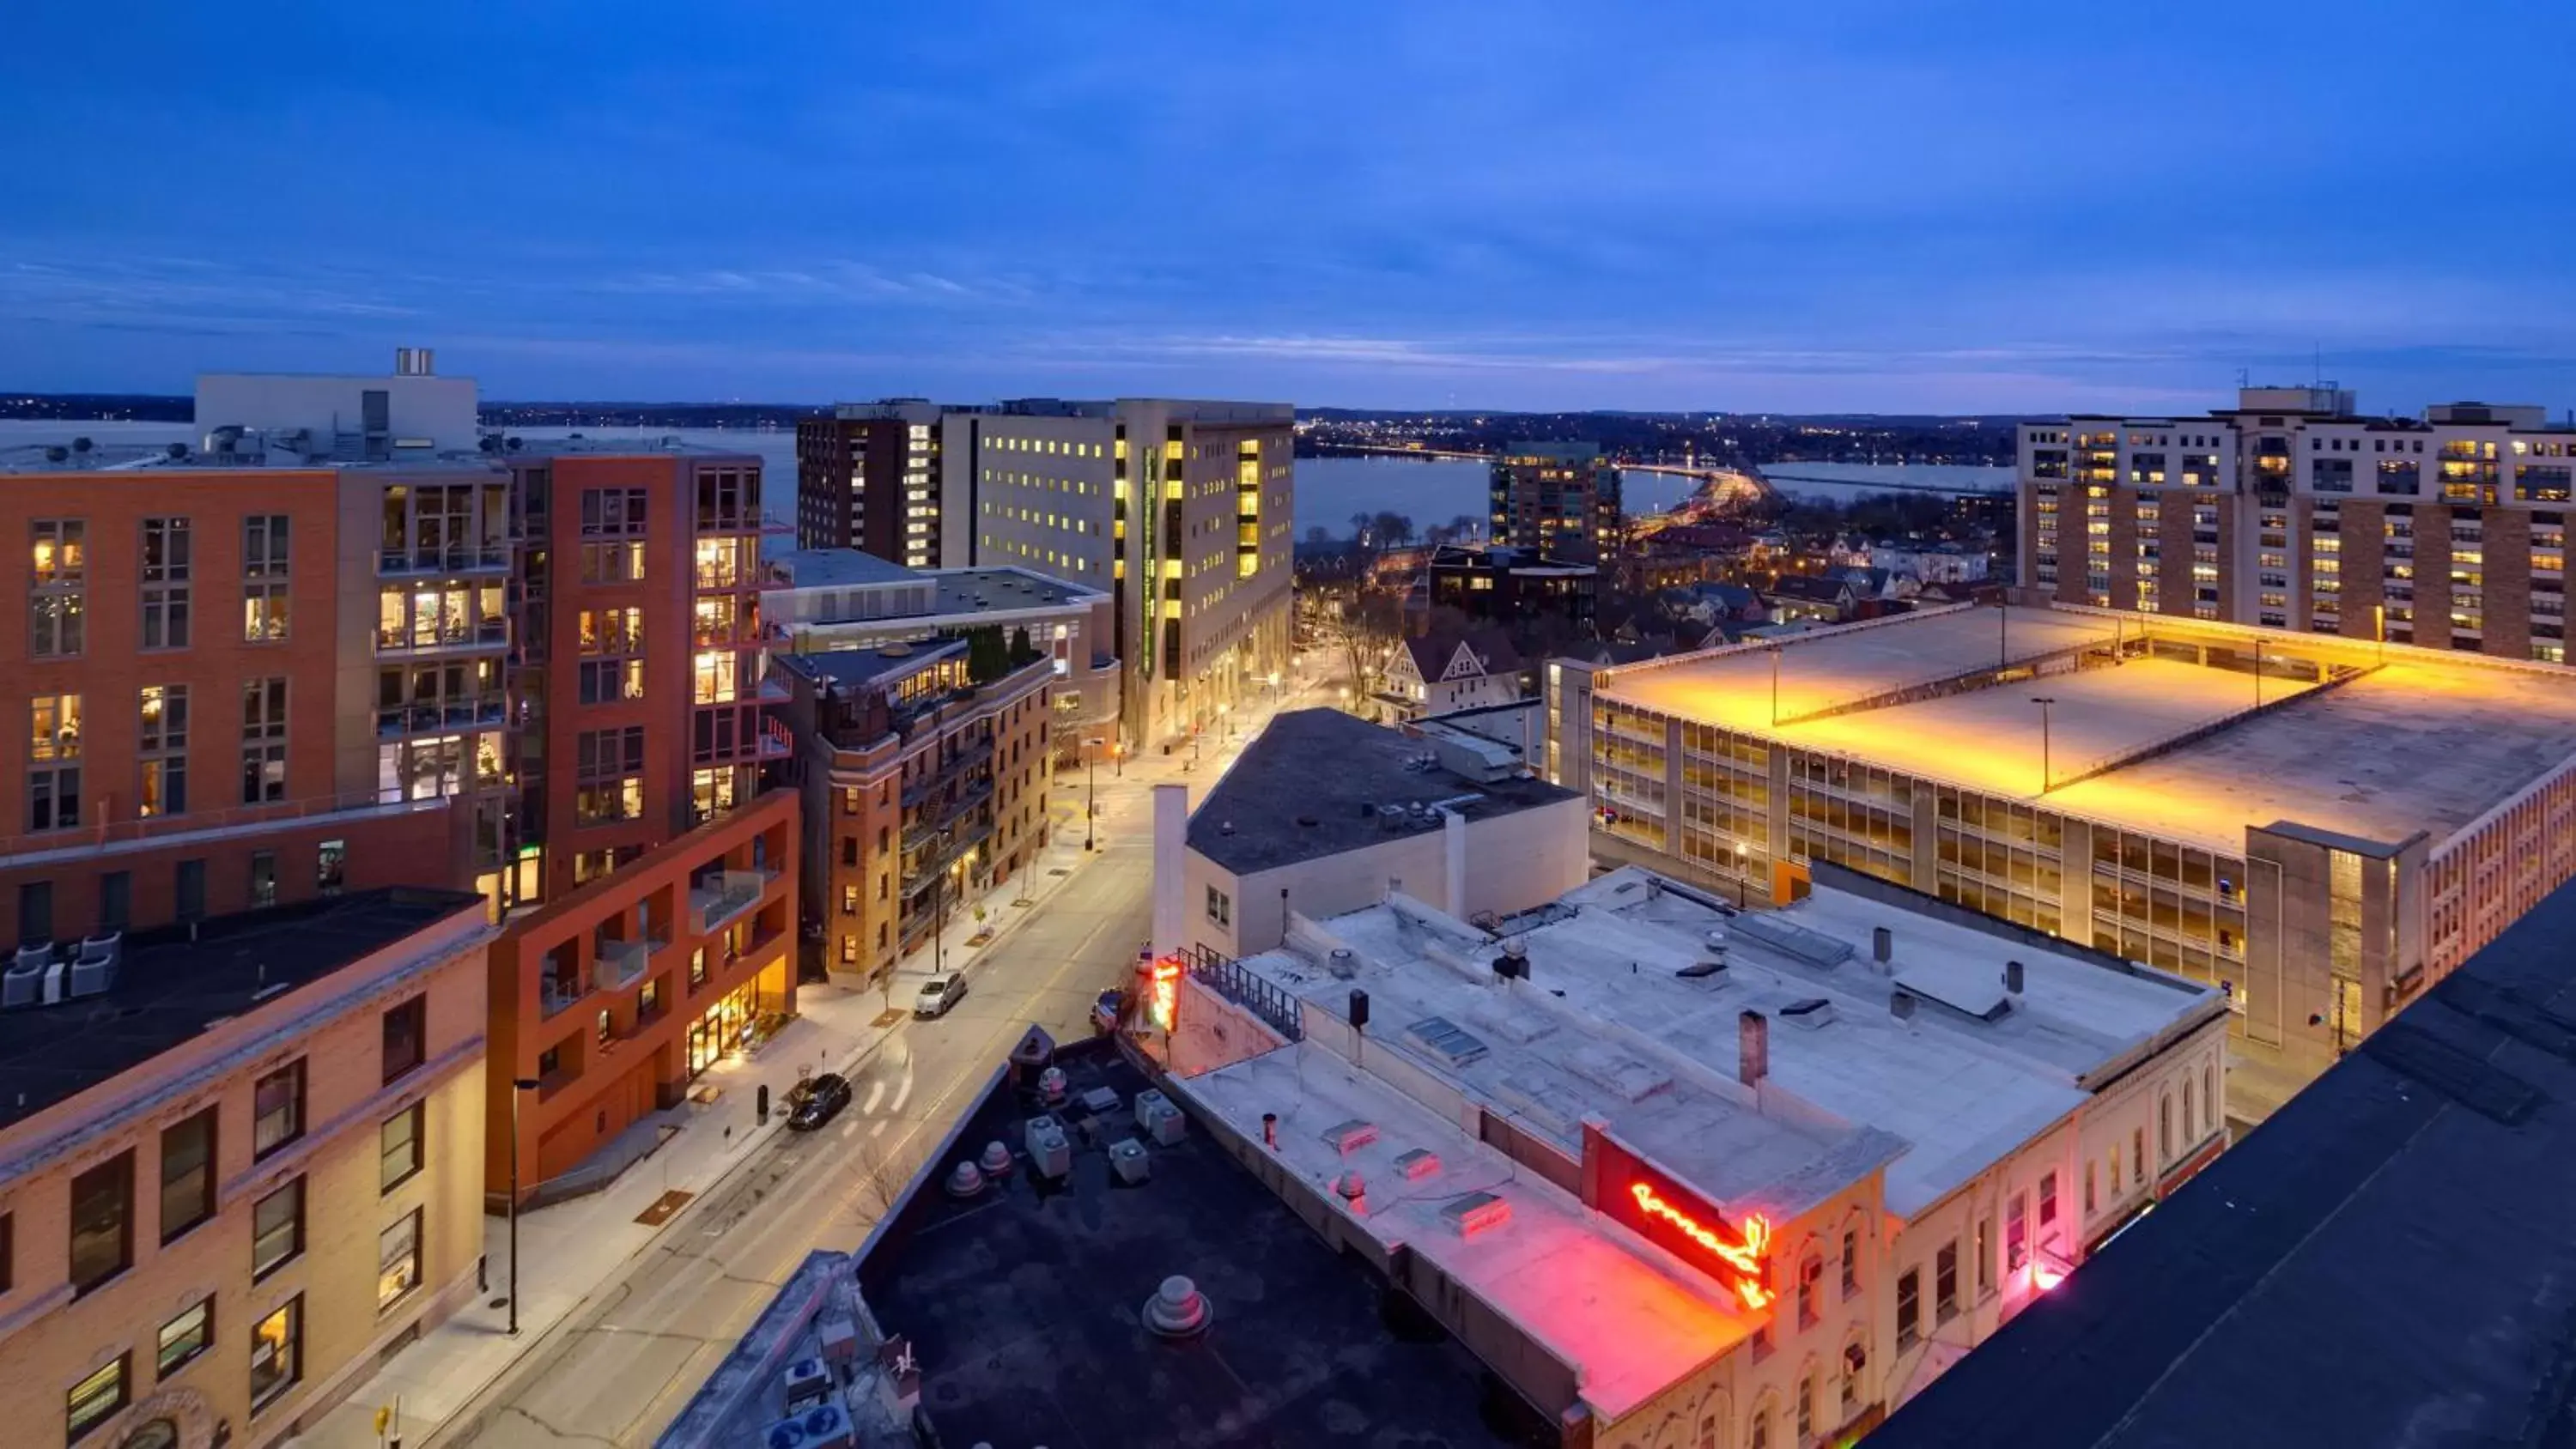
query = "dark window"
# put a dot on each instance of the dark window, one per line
(115, 900)
(276, 1354)
(36, 912)
(331, 867)
(277, 1109)
(184, 1337)
(263, 877)
(2016, 1234)
(8, 1252)
(406, 1037)
(2047, 1198)
(1945, 1282)
(95, 1400)
(277, 1229)
(1909, 1309)
(192, 889)
(187, 1174)
(398, 1147)
(103, 1222)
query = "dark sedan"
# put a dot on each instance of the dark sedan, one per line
(824, 1098)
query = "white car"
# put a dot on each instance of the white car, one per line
(937, 995)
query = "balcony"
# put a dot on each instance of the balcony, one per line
(490, 634)
(554, 994)
(776, 743)
(718, 896)
(623, 963)
(471, 714)
(442, 562)
(947, 770)
(974, 795)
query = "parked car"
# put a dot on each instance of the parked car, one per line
(1104, 1010)
(822, 1100)
(937, 995)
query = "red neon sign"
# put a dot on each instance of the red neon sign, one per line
(1745, 1257)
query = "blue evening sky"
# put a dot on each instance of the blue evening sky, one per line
(1885, 205)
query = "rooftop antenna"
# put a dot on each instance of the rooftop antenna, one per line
(2317, 378)
(2244, 377)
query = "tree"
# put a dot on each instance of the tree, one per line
(987, 659)
(1319, 537)
(82, 445)
(1391, 530)
(1022, 651)
(1360, 530)
(1465, 526)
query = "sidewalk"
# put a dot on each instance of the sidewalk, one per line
(576, 1248)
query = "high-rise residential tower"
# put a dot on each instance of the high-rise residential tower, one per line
(868, 477)
(2293, 511)
(1558, 498)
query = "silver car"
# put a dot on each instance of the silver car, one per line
(937, 995)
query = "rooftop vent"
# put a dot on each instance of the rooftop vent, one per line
(1349, 1137)
(1811, 1012)
(1050, 1155)
(1417, 1164)
(1342, 963)
(965, 1179)
(822, 1425)
(1814, 947)
(1477, 1212)
(1353, 1191)
(1456, 1046)
(1178, 1309)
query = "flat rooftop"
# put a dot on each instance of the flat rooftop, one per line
(1628, 1326)
(169, 988)
(858, 666)
(1605, 1027)
(1024, 1302)
(1311, 784)
(987, 590)
(838, 568)
(2385, 1261)
(2422, 742)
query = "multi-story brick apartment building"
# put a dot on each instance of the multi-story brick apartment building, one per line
(350, 641)
(2293, 511)
(237, 1166)
(922, 786)
(867, 477)
(614, 997)
(821, 600)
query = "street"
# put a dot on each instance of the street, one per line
(617, 1369)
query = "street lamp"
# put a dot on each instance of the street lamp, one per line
(2043, 701)
(518, 1085)
(1090, 789)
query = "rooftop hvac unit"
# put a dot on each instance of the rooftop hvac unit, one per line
(21, 984)
(823, 1426)
(1417, 1164)
(1050, 1154)
(1812, 1012)
(1100, 1101)
(1128, 1160)
(807, 1382)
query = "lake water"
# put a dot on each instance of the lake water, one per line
(1329, 490)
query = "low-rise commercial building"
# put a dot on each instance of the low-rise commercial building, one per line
(2450, 1131)
(1324, 813)
(239, 1162)
(827, 600)
(613, 998)
(924, 774)
(1672, 1169)
(2319, 826)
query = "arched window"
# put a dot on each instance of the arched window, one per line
(2164, 1130)
(155, 1434)
(2186, 1107)
(1855, 1363)
(1811, 1280)
(1757, 1434)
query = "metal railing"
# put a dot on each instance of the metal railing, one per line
(622, 963)
(463, 560)
(464, 714)
(720, 895)
(555, 995)
(122, 832)
(487, 634)
(1277, 1009)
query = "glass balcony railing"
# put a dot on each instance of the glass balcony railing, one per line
(622, 963)
(718, 896)
(554, 994)
(487, 558)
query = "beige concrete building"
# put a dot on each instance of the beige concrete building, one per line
(239, 1162)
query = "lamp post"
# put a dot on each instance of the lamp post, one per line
(1775, 685)
(2043, 701)
(518, 1085)
(1090, 789)
(2379, 626)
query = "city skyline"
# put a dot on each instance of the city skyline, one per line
(2015, 209)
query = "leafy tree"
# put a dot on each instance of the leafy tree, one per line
(1022, 652)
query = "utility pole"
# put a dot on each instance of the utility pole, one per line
(2043, 701)
(1090, 789)
(519, 1086)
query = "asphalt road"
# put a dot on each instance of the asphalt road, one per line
(617, 1371)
